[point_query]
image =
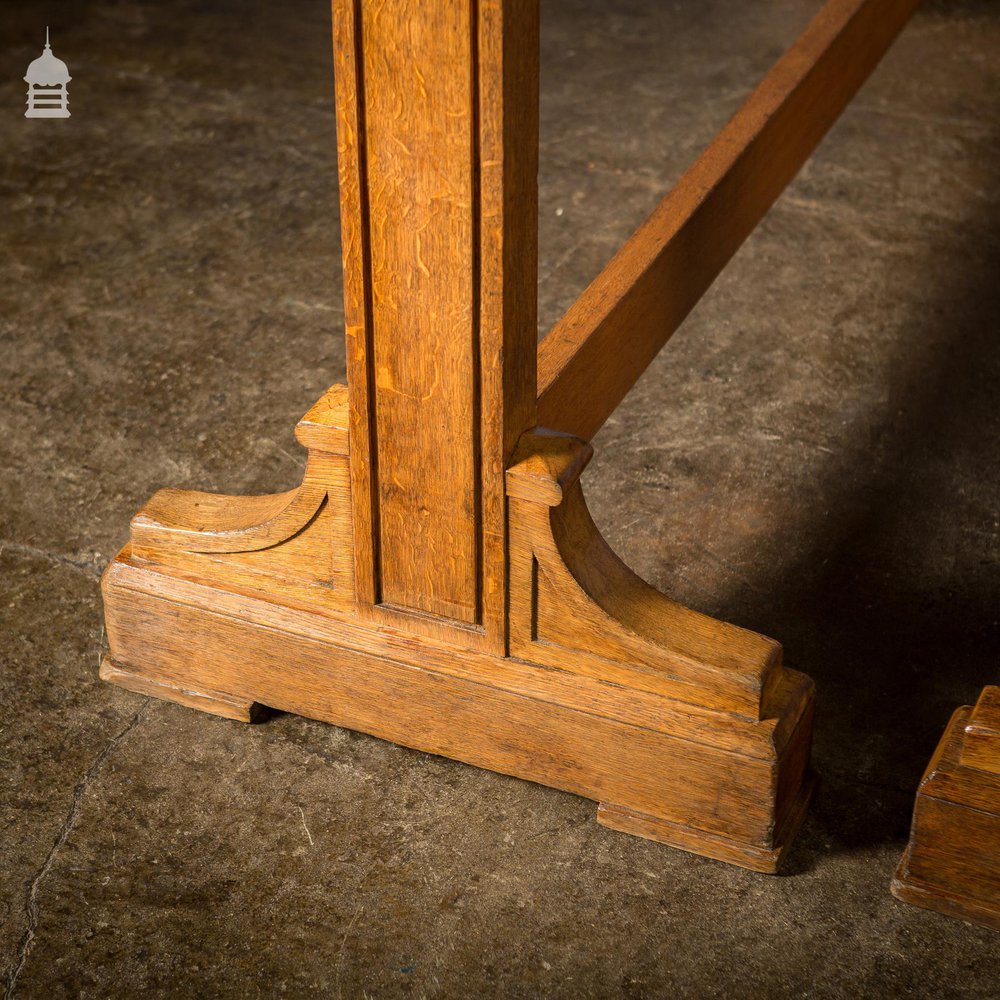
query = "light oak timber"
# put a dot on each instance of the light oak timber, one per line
(438, 149)
(205, 701)
(436, 578)
(617, 711)
(606, 340)
(575, 605)
(952, 862)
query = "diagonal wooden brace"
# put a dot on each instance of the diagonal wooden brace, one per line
(436, 579)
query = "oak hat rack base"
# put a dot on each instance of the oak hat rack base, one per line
(436, 579)
(952, 862)
(216, 610)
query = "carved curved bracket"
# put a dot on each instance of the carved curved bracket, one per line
(190, 521)
(213, 522)
(575, 605)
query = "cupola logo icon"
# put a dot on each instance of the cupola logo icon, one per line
(47, 79)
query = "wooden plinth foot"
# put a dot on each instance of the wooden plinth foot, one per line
(765, 857)
(692, 728)
(952, 862)
(213, 702)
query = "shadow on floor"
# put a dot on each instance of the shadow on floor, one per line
(893, 648)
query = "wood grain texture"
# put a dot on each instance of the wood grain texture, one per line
(508, 272)
(576, 606)
(467, 720)
(424, 696)
(239, 710)
(690, 728)
(436, 578)
(302, 533)
(952, 861)
(981, 745)
(355, 248)
(608, 337)
(422, 185)
(441, 194)
(766, 860)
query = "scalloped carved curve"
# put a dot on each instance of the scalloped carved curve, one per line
(575, 605)
(641, 625)
(214, 522)
(197, 522)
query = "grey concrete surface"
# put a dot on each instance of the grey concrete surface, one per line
(814, 456)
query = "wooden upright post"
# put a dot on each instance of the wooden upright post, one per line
(436, 579)
(438, 148)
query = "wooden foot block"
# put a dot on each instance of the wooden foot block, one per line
(692, 728)
(205, 701)
(722, 777)
(436, 579)
(910, 889)
(952, 862)
(759, 859)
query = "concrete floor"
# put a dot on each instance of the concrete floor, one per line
(814, 456)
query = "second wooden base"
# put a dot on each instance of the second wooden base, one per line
(952, 863)
(910, 889)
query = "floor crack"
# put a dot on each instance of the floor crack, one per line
(31, 905)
